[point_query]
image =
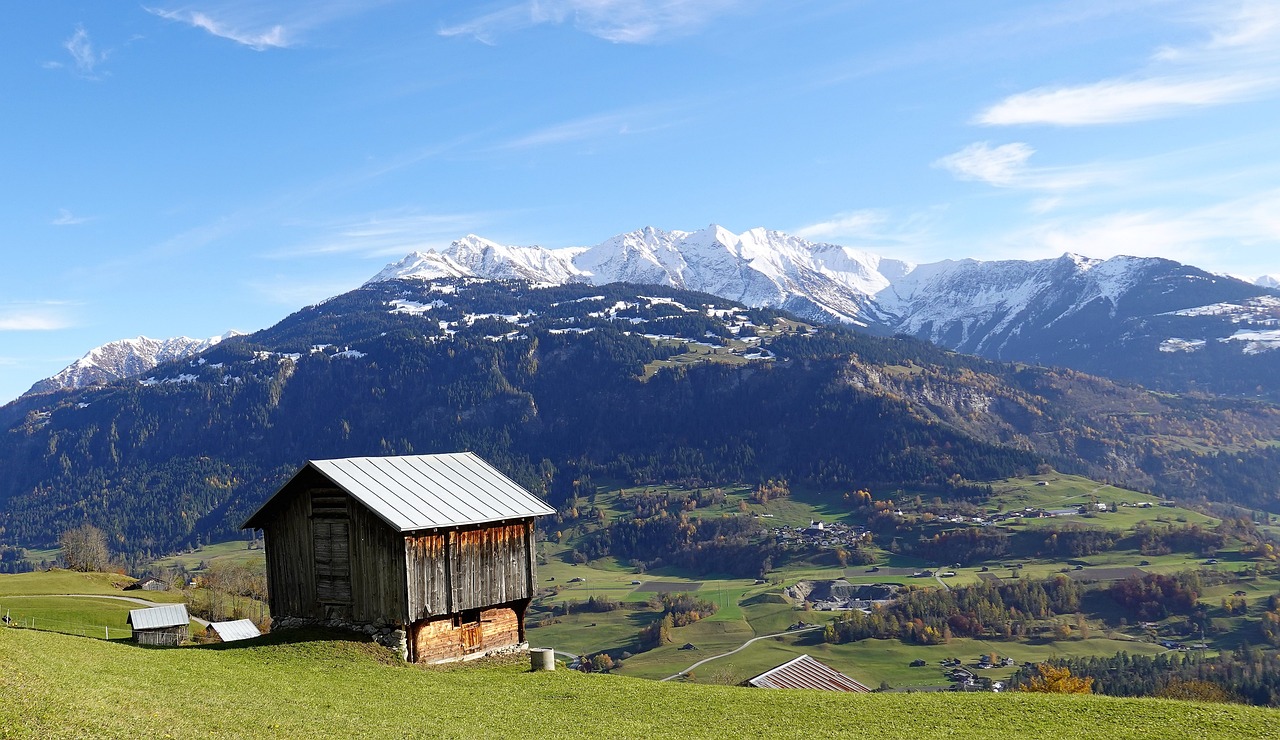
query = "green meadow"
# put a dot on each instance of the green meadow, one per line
(307, 684)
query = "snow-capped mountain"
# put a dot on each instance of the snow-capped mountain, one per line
(1267, 281)
(124, 358)
(1114, 316)
(758, 267)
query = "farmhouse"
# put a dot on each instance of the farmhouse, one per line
(433, 555)
(805, 673)
(160, 625)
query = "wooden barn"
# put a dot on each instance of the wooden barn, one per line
(434, 550)
(160, 625)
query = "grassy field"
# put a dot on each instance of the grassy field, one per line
(57, 686)
(235, 551)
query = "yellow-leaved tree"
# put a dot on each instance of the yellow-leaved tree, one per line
(1057, 680)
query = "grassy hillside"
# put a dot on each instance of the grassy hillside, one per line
(59, 686)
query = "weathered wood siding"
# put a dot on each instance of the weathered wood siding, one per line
(377, 569)
(171, 636)
(458, 637)
(291, 586)
(490, 565)
(426, 571)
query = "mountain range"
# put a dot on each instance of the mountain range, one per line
(1147, 320)
(558, 384)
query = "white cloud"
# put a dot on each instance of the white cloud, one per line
(261, 39)
(861, 223)
(619, 21)
(1239, 61)
(46, 316)
(1118, 101)
(67, 218)
(83, 55)
(1007, 166)
(386, 234)
(1241, 235)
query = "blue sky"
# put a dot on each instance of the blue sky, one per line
(177, 169)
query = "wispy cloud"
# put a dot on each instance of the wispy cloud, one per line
(262, 26)
(849, 224)
(582, 129)
(386, 234)
(870, 227)
(36, 316)
(619, 21)
(259, 39)
(1203, 236)
(1007, 166)
(84, 57)
(1240, 60)
(67, 218)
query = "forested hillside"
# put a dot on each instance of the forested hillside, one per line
(624, 383)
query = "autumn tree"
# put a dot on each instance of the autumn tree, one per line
(84, 548)
(1057, 680)
(1194, 690)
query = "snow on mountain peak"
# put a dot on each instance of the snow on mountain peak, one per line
(124, 358)
(1267, 281)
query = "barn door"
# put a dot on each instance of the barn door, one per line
(331, 532)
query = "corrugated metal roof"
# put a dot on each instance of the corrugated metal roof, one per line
(413, 492)
(805, 673)
(158, 617)
(240, 629)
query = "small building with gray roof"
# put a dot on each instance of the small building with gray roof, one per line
(160, 625)
(431, 554)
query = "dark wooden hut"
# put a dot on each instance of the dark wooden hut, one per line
(438, 546)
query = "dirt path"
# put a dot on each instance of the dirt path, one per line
(740, 647)
(133, 599)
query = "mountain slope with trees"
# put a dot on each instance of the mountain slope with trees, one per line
(620, 382)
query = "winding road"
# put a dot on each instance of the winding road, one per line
(133, 599)
(686, 671)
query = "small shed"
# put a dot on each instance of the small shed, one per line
(805, 673)
(148, 583)
(160, 625)
(239, 629)
(436, 551)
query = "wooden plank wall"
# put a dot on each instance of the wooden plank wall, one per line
(448, 638)
(428, 580)
(489, 565)
(377, 569)
(291, 585)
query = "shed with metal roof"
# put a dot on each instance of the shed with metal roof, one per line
(805, 673)
(238, 629)
(160, 625)
(437, 548)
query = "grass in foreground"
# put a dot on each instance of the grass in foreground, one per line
(59, 686)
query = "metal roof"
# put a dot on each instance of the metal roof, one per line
(805, 673)
(414, 492)
(240, 629)
(159, 617)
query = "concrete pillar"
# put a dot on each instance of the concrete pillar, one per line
(542, 659)
(401, 640)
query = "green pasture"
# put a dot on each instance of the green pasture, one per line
(90, 617)
(295, 685)
(235, 551)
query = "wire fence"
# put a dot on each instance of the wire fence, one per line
(10, 617)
